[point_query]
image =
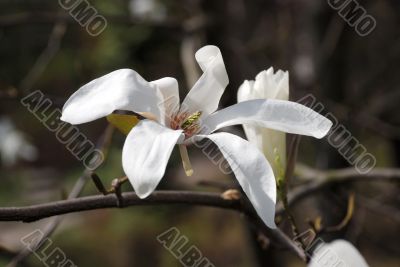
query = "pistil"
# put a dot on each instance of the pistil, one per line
(187, 166)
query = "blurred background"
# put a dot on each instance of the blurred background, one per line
(43, 47)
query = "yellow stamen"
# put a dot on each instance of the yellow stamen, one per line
(187, 166)
(191, 120)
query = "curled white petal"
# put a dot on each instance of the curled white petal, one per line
(252, 171)
(121, 89)
(279, 115)
(170, 103)
(206, 93)
(145, 155)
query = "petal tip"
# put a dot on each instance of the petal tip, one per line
(70, 119)
(65, 118)
(142, 195)
(325, 127)
(142, 190)
(271, 225)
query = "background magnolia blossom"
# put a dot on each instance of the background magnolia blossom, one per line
(267, 85)
(14, 145)
(337, 253)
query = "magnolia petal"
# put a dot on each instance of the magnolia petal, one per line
(337, 253)
(206, 93)
(145, 155)
(274, 148)
(267, 85)
(122, 89)
(253, 172)
(273, 85)
(246, 92)
(279, 115)
(253, 133)
(170, 92)
(282, 79)
(272, 143)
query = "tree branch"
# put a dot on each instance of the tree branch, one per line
(103, 145)
(346, 175)
(30, 18)
(40, 211)
(323, 179)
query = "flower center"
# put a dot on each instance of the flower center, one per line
(188, 123)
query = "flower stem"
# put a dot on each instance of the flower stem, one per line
(187, 166)
(282, 184)
(282, 191)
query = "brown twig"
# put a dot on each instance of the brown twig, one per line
(53, 45)
(346, 219)
(41, 211)
(37, 212)
(319, 228)
(323, 179)
(293, 150)
(23, 18)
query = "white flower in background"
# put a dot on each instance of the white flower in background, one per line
(148, 9)
(337, 253)
(268, 85)
(13, 144)
(149, 144)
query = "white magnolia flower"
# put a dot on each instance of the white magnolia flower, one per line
(149, 144)
(14, 144)
(337, 253)
(268, 85)
(148, 9)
